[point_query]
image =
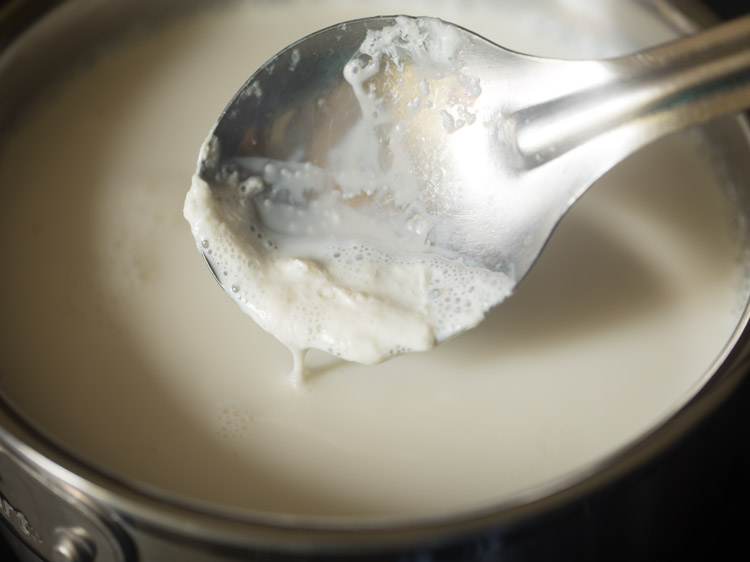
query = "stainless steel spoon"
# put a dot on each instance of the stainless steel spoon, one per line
(537, 132)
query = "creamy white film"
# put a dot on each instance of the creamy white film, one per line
(298, 256)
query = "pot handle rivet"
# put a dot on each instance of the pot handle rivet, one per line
(72, 544)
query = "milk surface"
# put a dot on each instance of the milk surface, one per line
(117, 342)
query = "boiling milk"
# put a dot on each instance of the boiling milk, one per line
(117, 342)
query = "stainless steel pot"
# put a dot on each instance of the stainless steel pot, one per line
(57, 507)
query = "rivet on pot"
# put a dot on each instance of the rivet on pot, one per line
(73, 544)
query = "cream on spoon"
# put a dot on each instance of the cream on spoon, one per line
(378, 186)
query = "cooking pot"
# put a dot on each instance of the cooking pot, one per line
(56, 506)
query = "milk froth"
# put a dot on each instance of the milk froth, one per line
(341, 256)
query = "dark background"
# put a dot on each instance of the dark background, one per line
(703, 504)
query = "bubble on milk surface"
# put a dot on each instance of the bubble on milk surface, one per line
(234, 422)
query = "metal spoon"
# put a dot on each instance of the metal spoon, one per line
(503, 164)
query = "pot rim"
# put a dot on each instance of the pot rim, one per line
(163, 513)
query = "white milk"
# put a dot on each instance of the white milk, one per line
(118, 342)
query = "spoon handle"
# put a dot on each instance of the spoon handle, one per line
(692, 80)
(649, 94)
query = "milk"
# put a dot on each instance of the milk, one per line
(117, 342)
